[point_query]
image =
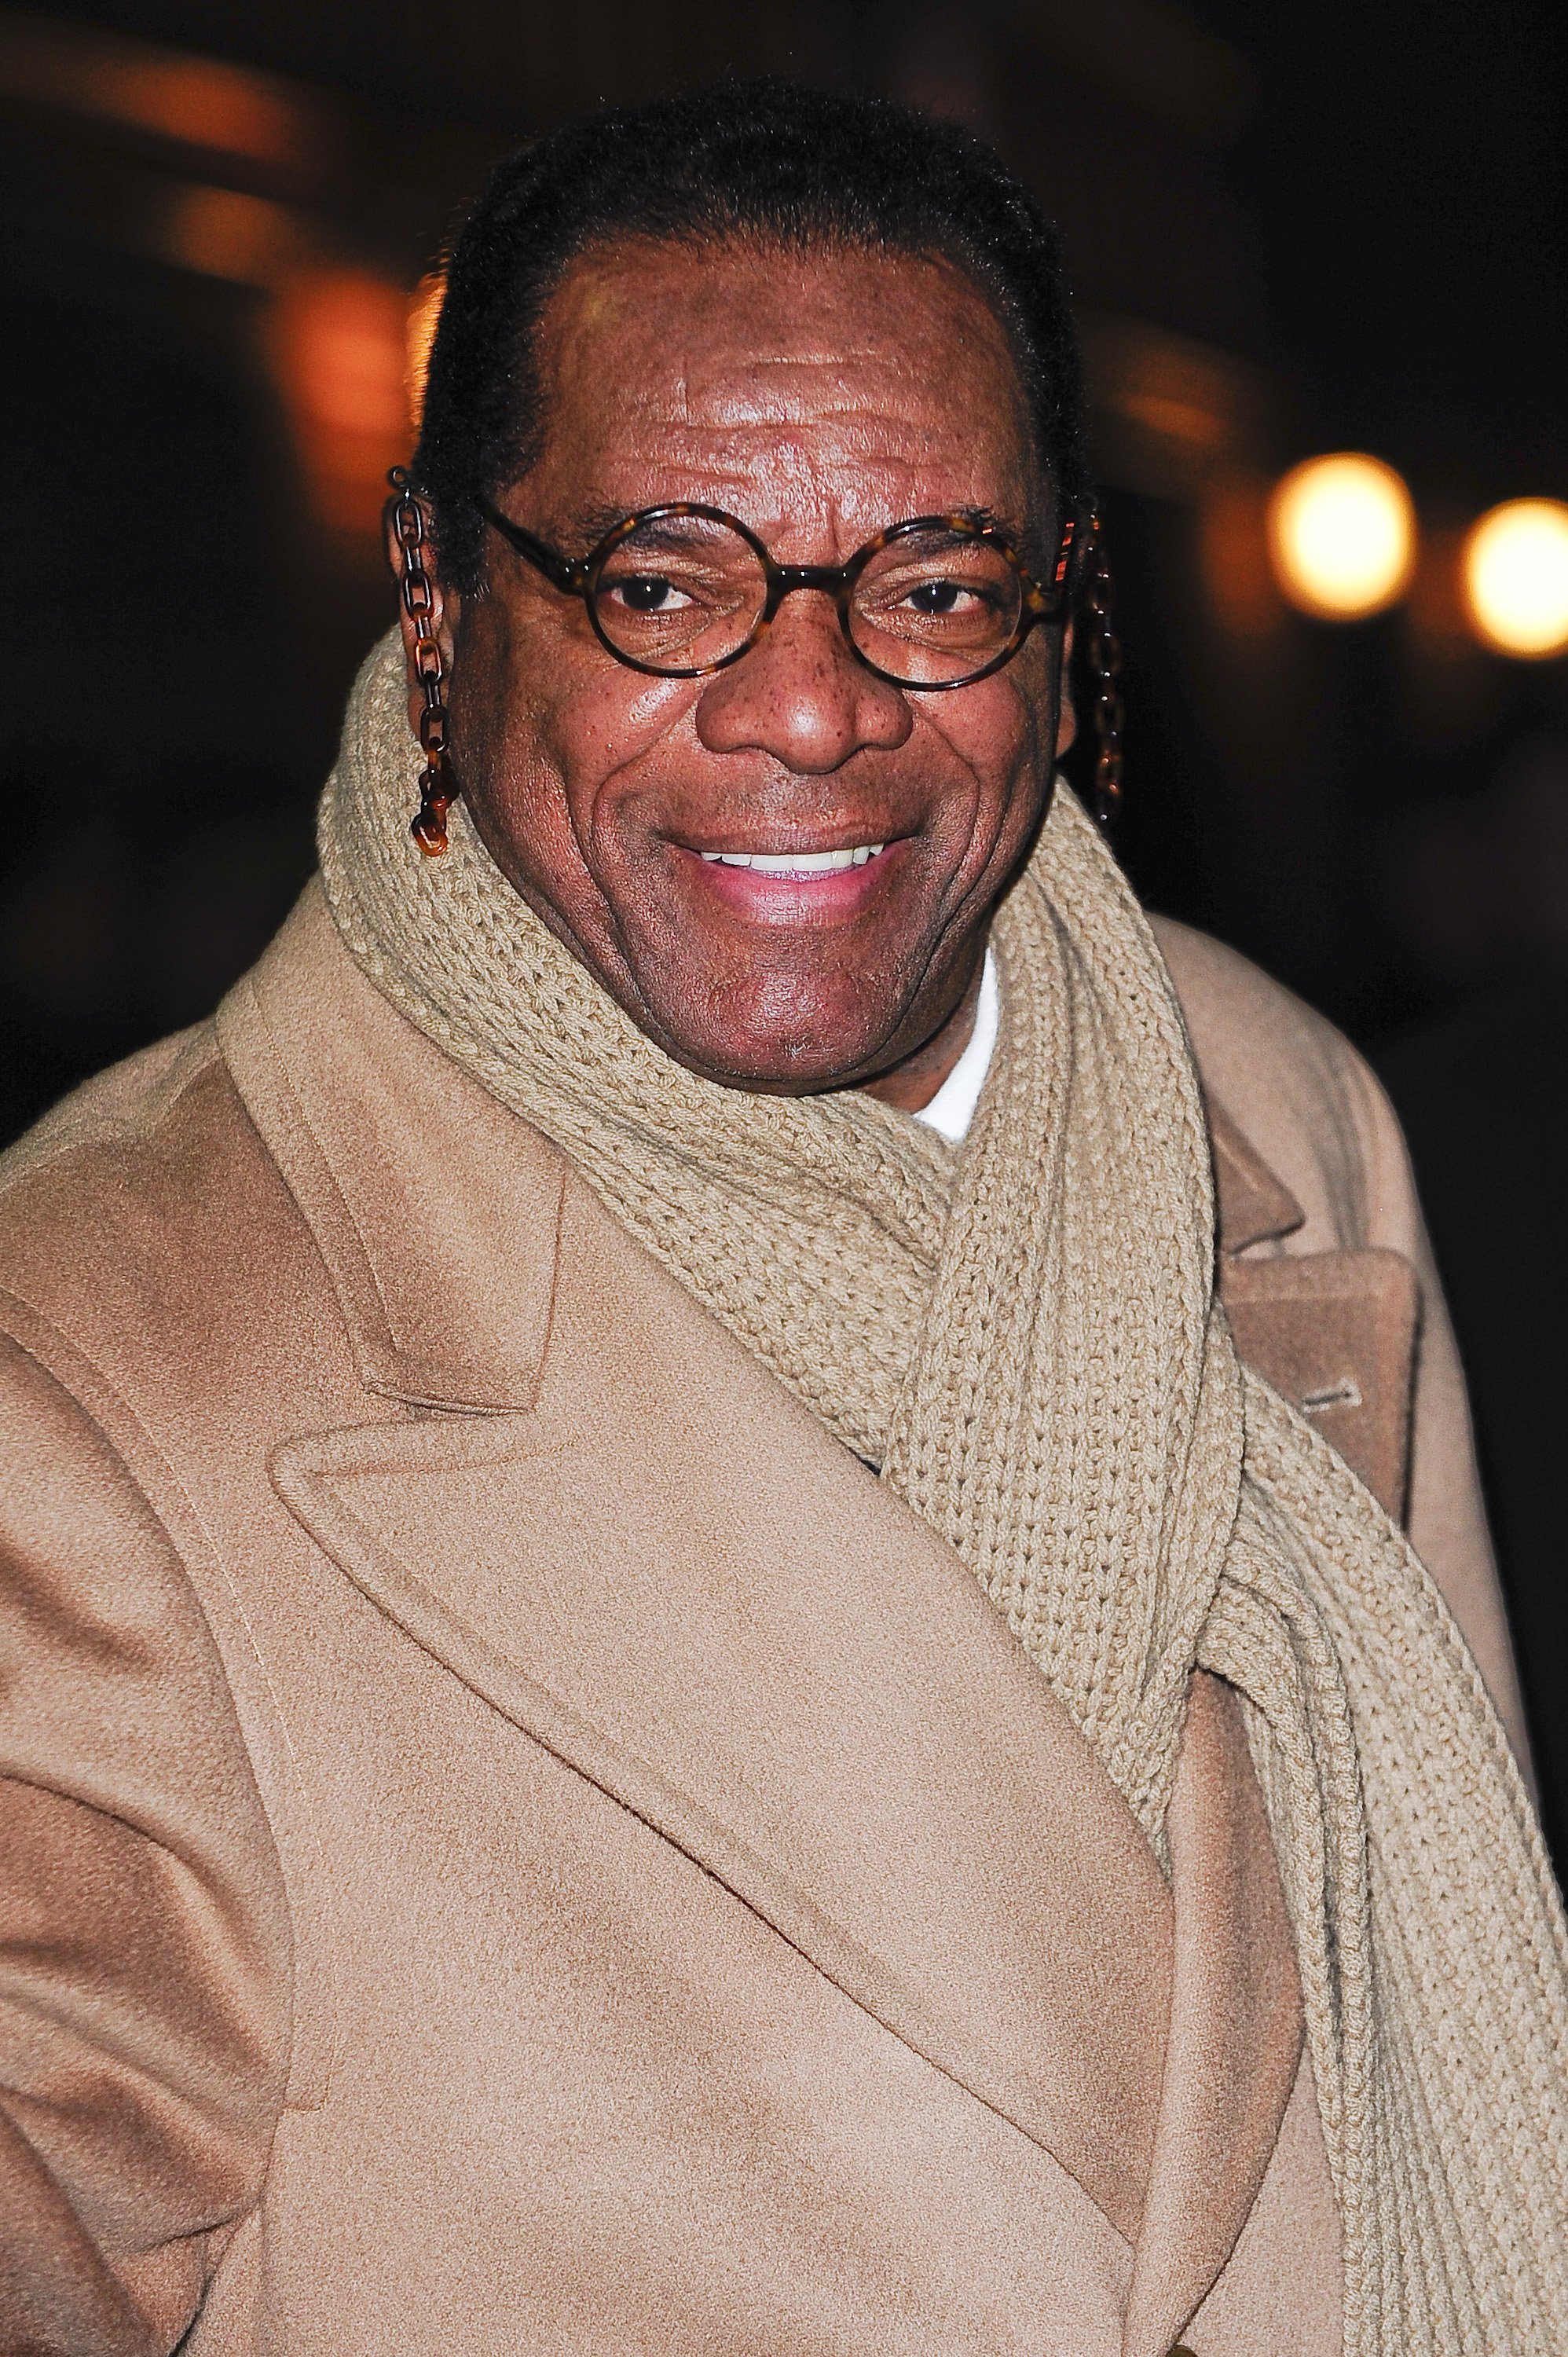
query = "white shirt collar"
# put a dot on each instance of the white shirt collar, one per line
(952, 1110)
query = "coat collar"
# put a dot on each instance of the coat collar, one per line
(417, 1184)
(1252, 1205)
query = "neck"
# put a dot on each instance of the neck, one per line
(910, 1086)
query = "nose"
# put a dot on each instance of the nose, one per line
(801, 695)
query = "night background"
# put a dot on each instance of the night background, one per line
(1290, 230)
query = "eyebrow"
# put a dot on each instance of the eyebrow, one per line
(587, 526)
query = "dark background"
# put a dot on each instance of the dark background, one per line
(1290, 229)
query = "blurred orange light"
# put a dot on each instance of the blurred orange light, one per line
(1515, 578)
(200, 103)
(338, 340)
(1342, 536)
(344, 332)
(224, 234)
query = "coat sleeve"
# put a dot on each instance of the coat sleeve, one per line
(1447, 1519)
(144, 1934)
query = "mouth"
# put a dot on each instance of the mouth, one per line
(797, 864)
(792, 888)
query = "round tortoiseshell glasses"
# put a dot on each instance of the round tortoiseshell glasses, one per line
(682, 590)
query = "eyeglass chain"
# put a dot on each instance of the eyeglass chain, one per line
(1103, 654)
(436, 791)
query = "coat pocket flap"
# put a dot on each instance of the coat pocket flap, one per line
(1335, 1334)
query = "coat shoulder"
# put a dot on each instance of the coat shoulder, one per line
(1252, 1036)
(1303, 1098)
(143, 1194)
(126, 1101)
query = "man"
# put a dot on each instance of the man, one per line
(642, 1584)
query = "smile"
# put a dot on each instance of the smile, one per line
(788, 864)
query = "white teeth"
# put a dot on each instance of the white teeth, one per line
(796, 863)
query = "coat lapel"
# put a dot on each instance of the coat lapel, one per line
(605, 1517)
(1253, 1206)
(1235, 2026)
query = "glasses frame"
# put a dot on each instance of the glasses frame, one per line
(579, 577)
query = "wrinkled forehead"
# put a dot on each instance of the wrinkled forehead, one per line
(838, 387)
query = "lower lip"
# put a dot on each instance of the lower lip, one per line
(826, 897)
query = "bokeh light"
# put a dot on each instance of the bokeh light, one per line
(228, 234)
(340, 342)
(204, 101)
(1515, 578)
(1342, 536)
(345, 336)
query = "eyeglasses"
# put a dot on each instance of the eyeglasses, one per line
(683, 590)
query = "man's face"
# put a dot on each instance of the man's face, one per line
(818, 399)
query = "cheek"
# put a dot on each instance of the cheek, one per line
(597, 726)
(542, 727)
(996, 734)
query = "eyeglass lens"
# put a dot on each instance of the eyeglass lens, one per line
(682, 593)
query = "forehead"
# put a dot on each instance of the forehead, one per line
(829, 387)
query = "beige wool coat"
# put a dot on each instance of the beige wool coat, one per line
(515, 1840)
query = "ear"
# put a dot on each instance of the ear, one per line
(1066, 715)
(443, 607)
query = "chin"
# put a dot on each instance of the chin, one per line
(767, 1068)
(797, 1059)
(783, 1026)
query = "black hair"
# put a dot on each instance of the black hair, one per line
(768, 161)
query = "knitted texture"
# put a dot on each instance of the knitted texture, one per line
(1024, 1335)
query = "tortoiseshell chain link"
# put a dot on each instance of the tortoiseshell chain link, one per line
(436, 793)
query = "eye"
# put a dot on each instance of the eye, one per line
(938, 597)
(647, 593)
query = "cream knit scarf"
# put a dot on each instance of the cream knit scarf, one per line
(1024, 1335)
